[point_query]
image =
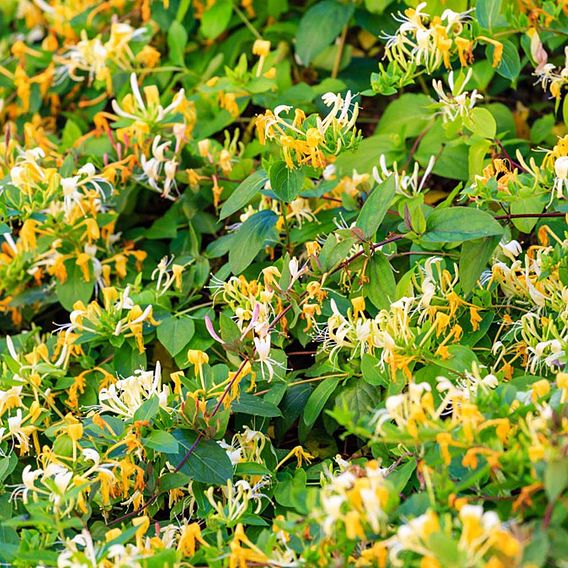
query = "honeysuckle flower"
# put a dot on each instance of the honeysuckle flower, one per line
(317, 145)
(262, 49)
(262, 349)
(561, 180)
(236, 498)
(211, 330)
(125, 396)
(511, 250)
(459, 102)
(148, 108)
(408, 185)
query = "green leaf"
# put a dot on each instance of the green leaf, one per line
(371, 372)
(510, 65)
(476, 157)
(255, 406)
(556, 478)
(250, 238)
(473, 260)
(161, 442)
(208, 462)
(359, 399)
(169, 481)
(381, 286)
(447, 550)
(177, 40)
(251, 468)
(406, 116)
(334, 251)
(286, 183)
(401, 475)
(487, 12)
(529, 204)
(375, 208)
(377, 6)
(9, 544)
(244, 193)
(318, 399)
(174, 333)
(71, 133)
(216, 18)
(482, 123)
(319, 26)
(148, 409)
(457, 224)
(128, 358)
(74, 289)
(367, 154)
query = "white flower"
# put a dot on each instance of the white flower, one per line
(405, 184)
(512, 249)
(127, 395)
(561, 171)
(458, 102)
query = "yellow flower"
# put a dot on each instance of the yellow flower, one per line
(28, 235)
(190, 536)
(429, 562)
(177, 270)
(358, 306)
(197, 358)
(444, 439)
(540, 388)
(474, 318)
(149, 56)
(84, 262)
(562, 383)
(142, 524)
(261, 48)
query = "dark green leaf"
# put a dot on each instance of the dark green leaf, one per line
(148, 409)
(375, 208)
(250, 238)
(75, 288)
(473, 259)
(244, 193)
(175, 333)
(318, 399)
(510, 65)
(255, 406)
(381, 286)
(208, 462)
(457, 224)
(319, 26)
(161, 442)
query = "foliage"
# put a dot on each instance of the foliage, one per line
(283, 284)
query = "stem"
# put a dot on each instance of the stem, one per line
(339, 54)
(374, 247)
(247, 22)
(287, 229)
(196, 307)
(529, 215)
(416, 144)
